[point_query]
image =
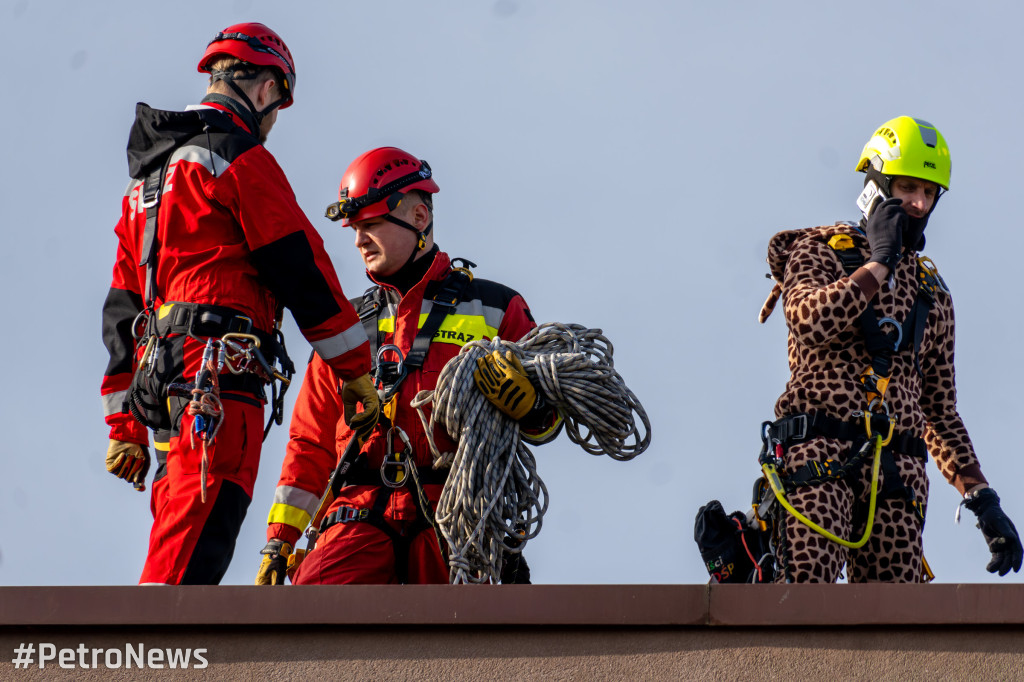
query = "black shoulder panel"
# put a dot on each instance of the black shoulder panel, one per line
(490, 293)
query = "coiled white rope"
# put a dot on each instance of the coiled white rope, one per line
(493, 491)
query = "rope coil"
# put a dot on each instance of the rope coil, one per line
(493, 492)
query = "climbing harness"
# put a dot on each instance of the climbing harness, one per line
(872, 430)
(389, 366)
(253, 357)
(875, 443)
(493, 493)
(397, 470)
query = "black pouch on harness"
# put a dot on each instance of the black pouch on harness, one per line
(729, 549)
(147, 395)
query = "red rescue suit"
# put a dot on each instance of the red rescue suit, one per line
(230, 234)
(354, 551)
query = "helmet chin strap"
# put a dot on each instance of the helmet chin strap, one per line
(913, 235)
(421, 237)
(253, 118)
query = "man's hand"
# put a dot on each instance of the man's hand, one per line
(503, 381)
(999, 531)
(274, 563)
(885, 232)
(129, 461)
(361, 390)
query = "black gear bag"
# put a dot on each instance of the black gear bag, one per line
(732, 552)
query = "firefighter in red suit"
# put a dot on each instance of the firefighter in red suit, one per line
(212, 242)
(375, 533)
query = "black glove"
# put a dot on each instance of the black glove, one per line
(514, 569)
(999, 531)
(885, 230)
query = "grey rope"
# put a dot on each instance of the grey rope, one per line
(493, 491)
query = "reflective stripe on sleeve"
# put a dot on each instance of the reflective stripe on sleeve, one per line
(112, 402)
(296, 497)
(289, 516)
(339, 344)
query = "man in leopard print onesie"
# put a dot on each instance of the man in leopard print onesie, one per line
(908, 160)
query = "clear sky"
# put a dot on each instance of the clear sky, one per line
(622, 165)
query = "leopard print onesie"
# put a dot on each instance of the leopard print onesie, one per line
(827, 354)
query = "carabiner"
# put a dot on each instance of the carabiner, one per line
(396, 460)
(389, 384)
(899, 330)
(140, 325)
(867, 423)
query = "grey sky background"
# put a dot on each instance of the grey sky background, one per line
(622, 165)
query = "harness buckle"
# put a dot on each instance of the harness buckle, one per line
(150, 195)
(243, 322)
(771, 446)
(348, 514)
(796, 428)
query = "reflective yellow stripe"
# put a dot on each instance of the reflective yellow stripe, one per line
(288, 515)
(163, 447)
(457, 329)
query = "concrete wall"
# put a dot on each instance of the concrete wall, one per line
(616, 632)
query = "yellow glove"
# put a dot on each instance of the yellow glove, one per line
(504, 382)
(129, 461)
(363, 391)
(274, 563)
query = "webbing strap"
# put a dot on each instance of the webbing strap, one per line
(913, 327)
(442, 304)
(369, 309)
(151, 189)
(798, 428)
(879, 346)
(917, 319)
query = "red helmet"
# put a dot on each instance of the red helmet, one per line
(255, 44)
(370, 186)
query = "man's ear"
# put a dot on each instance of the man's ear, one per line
(264, 95)
(421, 216)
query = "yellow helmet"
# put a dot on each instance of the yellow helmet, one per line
(908, 146)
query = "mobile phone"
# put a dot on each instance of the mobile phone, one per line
(871, 197)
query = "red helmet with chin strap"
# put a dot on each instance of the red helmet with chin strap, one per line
(256, 44)
(375, 182)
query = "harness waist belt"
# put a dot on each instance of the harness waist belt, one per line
(200, 319)
(798, 428)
